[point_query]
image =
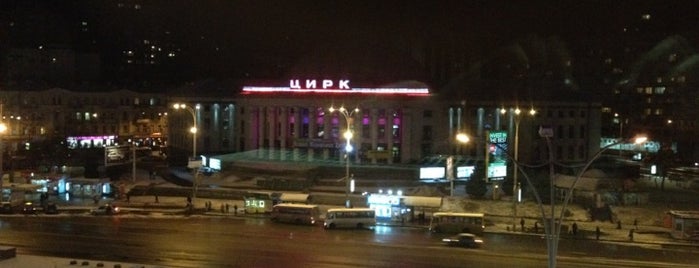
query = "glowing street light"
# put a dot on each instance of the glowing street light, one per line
(348, 114)
(193, 129)
(553, 231)
(463, 139)
(515, 183)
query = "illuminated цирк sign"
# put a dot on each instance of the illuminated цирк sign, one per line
(333, 86)
(313, 84)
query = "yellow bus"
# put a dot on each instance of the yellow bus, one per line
(457, 222)
(295, 213)
(359, 218)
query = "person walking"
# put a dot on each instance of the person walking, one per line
(521, 223)
(575, 228)
(536, 227)
(618, 225)
(630, 234)
(235, 209)
(597, 233)
(635, 224)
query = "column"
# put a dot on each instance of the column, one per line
(389, 134)
(297, 131)
(327, 116)
(373, 115)
(260, 124)
(311, 130)
(284, 133)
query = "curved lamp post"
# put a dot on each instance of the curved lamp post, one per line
(552, 230)
(348, 135)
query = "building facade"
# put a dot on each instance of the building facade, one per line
(307, 121)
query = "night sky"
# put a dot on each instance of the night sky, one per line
(267, 39)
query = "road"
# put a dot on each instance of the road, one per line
(203, 241)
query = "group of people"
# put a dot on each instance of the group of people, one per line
(574, 228)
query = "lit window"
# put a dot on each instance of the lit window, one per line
(660, 90)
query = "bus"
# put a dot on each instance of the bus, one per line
(295, 213)
(359, 218)
(457, 222)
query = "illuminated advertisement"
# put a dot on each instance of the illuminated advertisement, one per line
(464, 172)
(497, 167)
(333, 86)
(432, 173)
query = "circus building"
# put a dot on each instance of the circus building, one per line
(310, 120)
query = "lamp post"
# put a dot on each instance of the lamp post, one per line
(463, 139)
(553, 229)
(348, 114)
(195, 178)
(515, 182)
(193, 129)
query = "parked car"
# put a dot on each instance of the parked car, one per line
(6, 208)
(28, 208)
(51, 208)
(107, 209)
(463, 240)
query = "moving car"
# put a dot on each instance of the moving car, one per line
(463, 240)
(107, 209)
(28, 208)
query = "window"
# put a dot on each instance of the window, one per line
(426, 133)
(571, 132)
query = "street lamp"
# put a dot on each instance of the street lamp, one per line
(553, 230)
(348, 114)
(193, 129)
(515, 183)
(463, 139)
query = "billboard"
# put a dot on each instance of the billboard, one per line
(497, 163)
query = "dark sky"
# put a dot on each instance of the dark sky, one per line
(219, 37)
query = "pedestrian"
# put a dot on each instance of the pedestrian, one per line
(618, 225)
(521, 223)
(156, 198)
(635, 224)
(223, 208)
(575, 228)
(235, 209)
(597, 233)
(631, 234)
(536, 227)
